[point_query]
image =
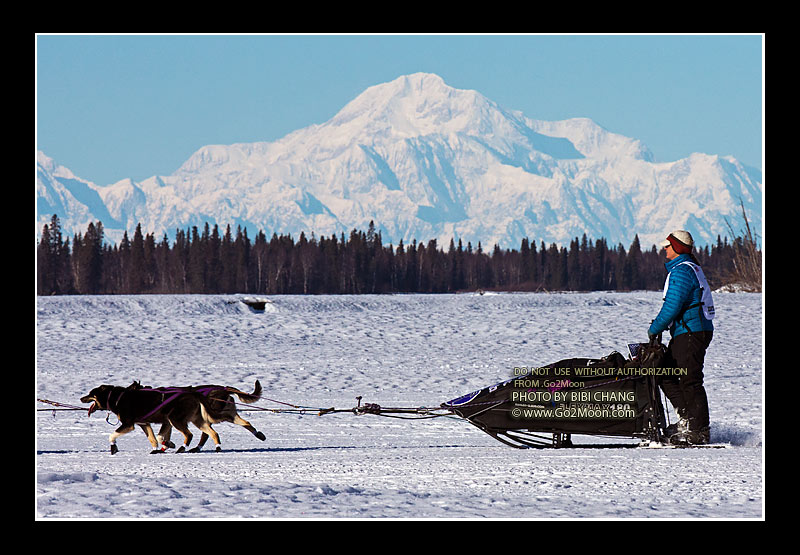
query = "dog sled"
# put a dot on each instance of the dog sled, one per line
(544, 406)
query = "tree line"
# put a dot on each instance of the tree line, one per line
(211, 261)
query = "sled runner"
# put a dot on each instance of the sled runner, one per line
(544, 406)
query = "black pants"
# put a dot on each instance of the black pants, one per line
(686, 392)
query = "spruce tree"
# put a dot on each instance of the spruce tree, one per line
(196, 263)
(136, 270)
(150, 273)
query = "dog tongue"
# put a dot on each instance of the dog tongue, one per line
(92, 408)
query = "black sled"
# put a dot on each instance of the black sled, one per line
(543, 407)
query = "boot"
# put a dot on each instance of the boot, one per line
(699, 437)
(691, 437)
(679, 427)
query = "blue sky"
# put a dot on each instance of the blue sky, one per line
(113, 107)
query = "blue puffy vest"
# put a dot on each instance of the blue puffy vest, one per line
(688, 305)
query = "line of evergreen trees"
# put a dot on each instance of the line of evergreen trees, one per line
(208, 261)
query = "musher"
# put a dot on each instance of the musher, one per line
(687, 312)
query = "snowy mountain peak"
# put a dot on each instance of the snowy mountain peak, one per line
(424, 160)
(412, 105)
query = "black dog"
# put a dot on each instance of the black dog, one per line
(135, 405)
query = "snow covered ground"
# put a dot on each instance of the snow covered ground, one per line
(401, 350)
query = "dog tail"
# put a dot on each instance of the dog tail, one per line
(247, 397)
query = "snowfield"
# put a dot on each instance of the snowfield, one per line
(397, 351)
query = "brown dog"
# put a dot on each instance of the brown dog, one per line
(171, 407)
(216, 405)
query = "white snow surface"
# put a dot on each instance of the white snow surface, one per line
(397, 351)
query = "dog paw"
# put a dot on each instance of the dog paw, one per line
(261, 436)
(218, 449)
(181, 449)
(156, 451)
(194, 450)
(114, 449)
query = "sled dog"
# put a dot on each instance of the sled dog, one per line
(216, 405)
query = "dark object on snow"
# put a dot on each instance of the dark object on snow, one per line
(611, 396)
(255, 303)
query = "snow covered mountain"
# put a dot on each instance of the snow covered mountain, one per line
(424, 161)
